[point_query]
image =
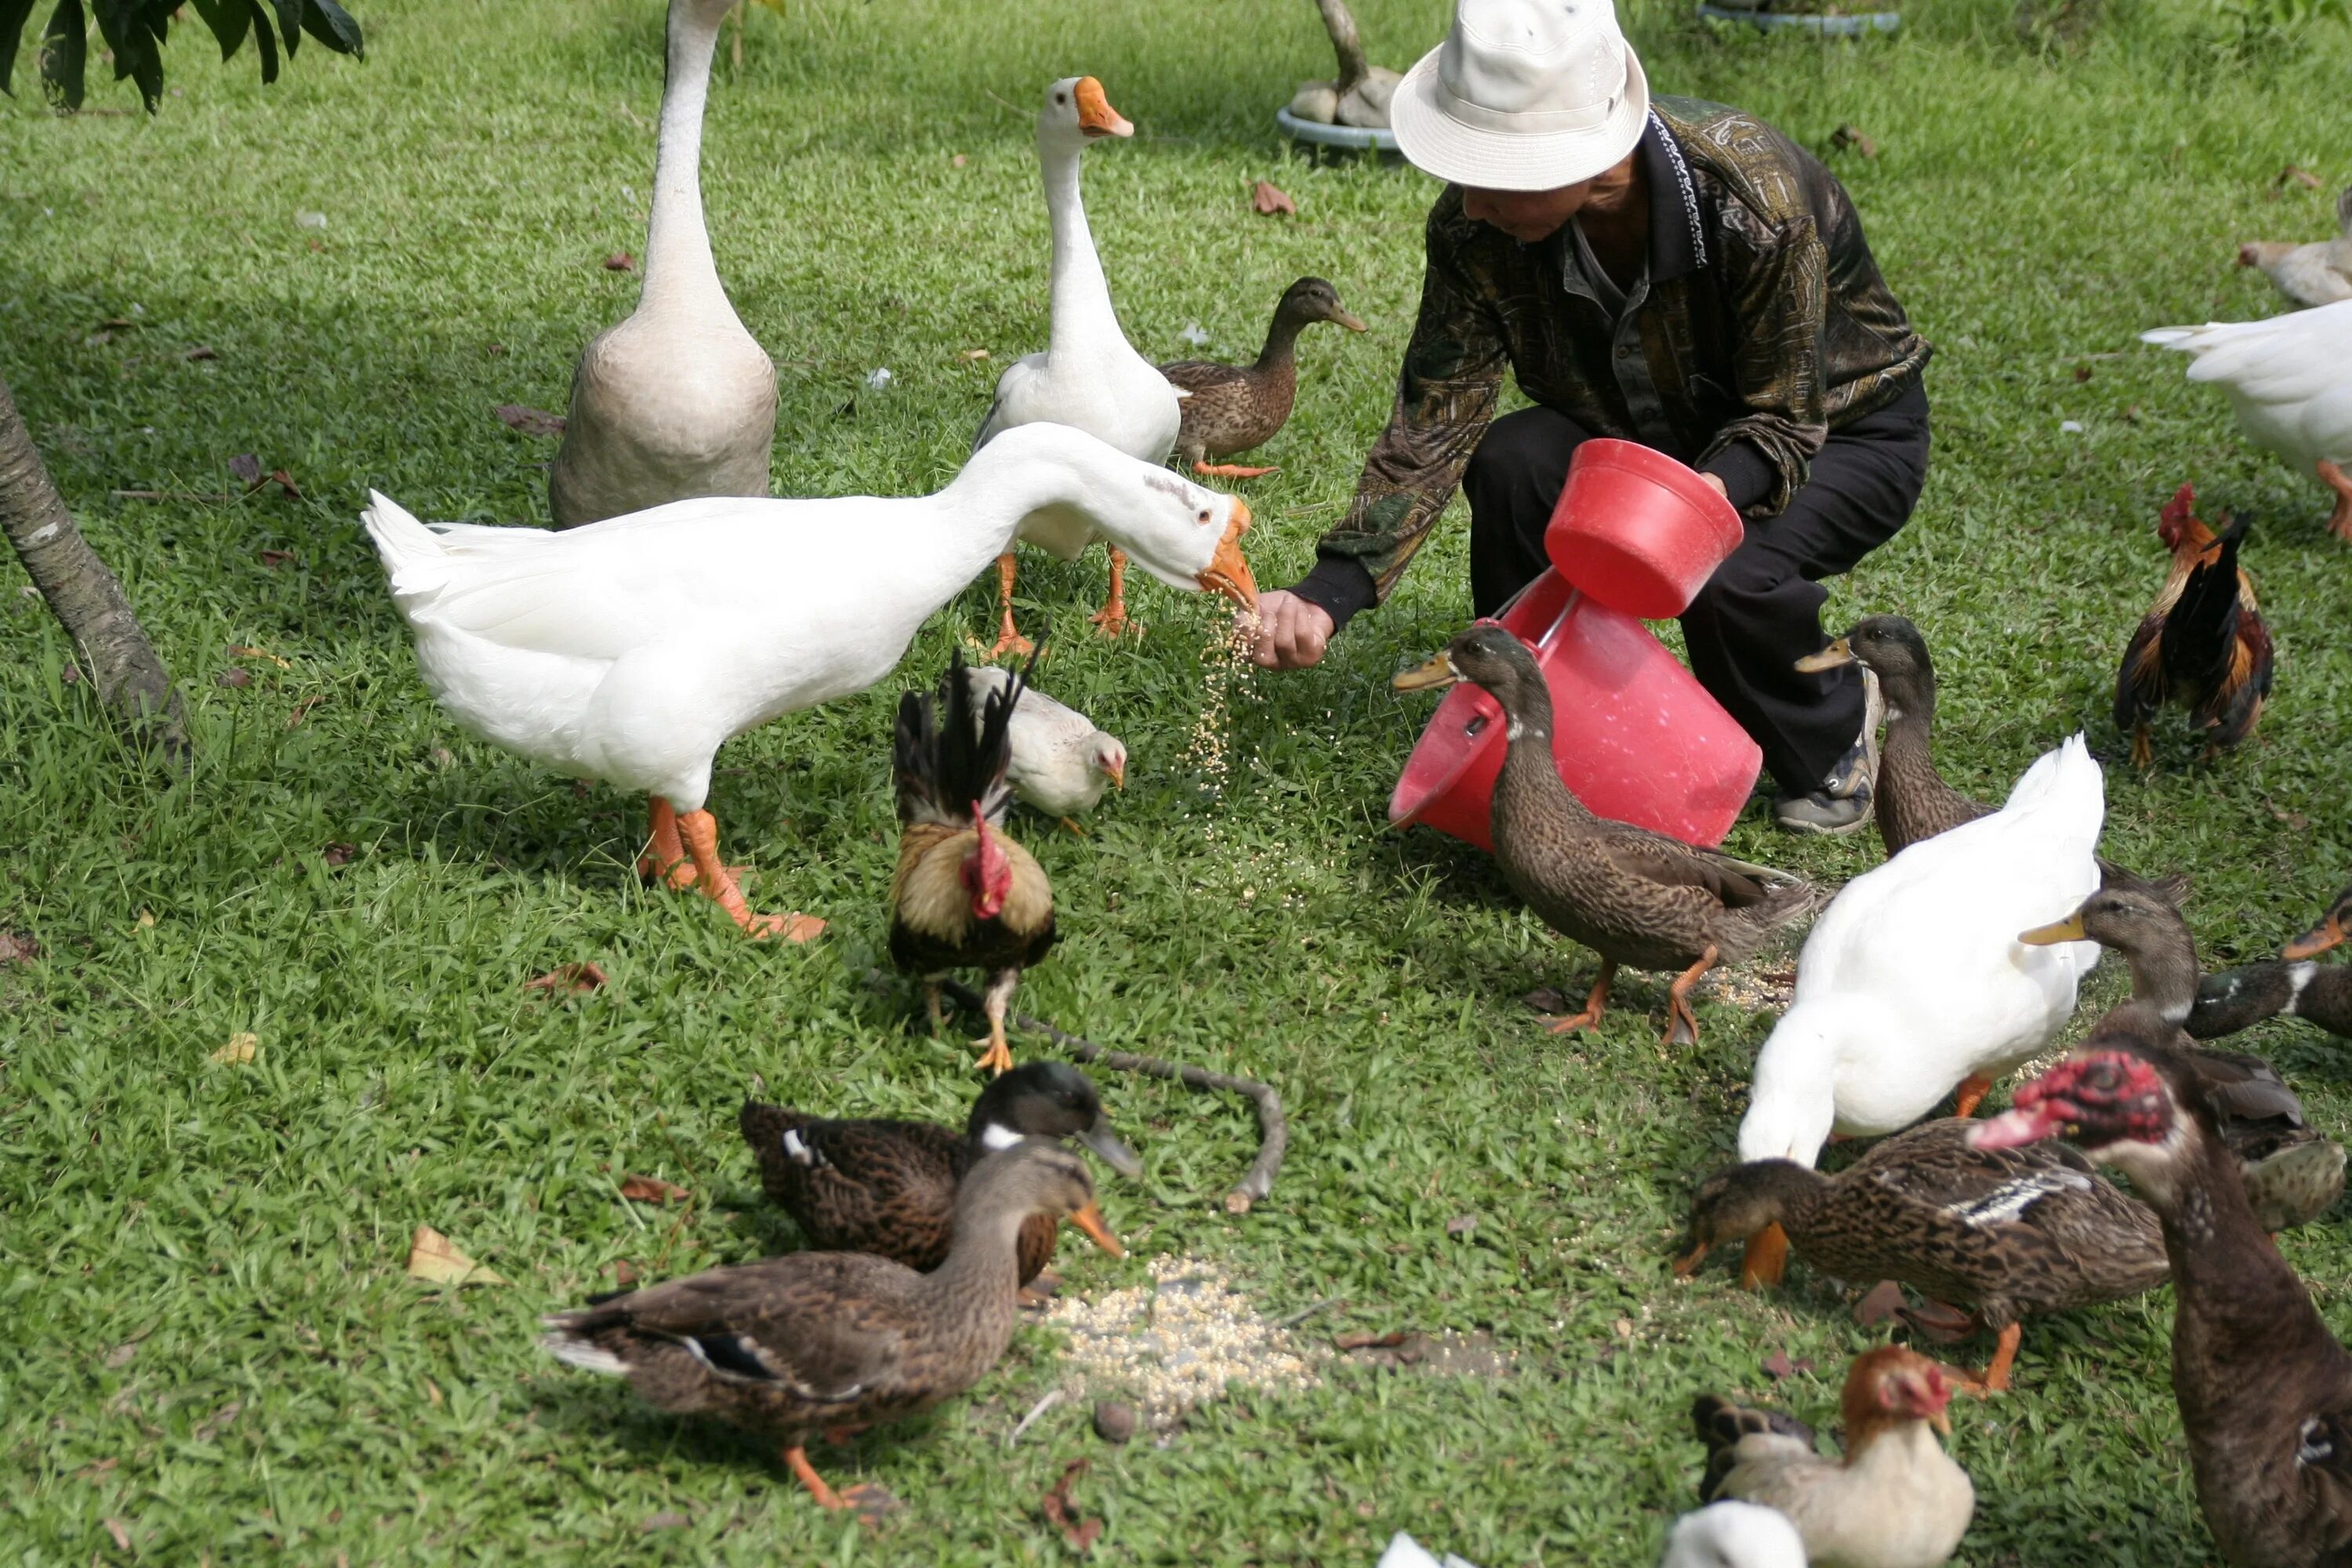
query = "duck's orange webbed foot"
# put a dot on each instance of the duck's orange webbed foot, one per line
(1595, 1003)
(1112, 620)
(1232, 470)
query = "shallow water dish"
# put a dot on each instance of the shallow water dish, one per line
(1638, 738)
(1638, 530)
(1321, 135)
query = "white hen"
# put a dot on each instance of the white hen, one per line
(1734, 1535)
(2290, 379)
(1060, 761)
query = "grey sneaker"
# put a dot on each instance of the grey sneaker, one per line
(1842, 804)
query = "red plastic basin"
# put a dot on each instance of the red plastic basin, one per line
(1634, 735)
(1638, 530)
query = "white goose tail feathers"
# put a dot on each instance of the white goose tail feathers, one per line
(413, 556)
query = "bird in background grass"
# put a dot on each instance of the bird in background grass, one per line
(2202, 645)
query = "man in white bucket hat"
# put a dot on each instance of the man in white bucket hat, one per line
(1664, 271)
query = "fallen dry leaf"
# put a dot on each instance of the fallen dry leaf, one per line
(120, 1356)
(234, 678)
(1546, 1001)
(302, 708)
(120, 1531)
(1882, 1301)
(651, 1189)
(284, 482)
(340, 854)
(1462, 1224)
(973, 354)
(1269, 200)
(1938, 1323)
(241, 1048)
(70, 675)
(958, 161)
(620, 261)
(202, 351)
(663, 1522)
(1847, 136)
(1624, 1327)
(2301, 176)
(625, 1273)
(2081, 374)
(246, 468)
(435, 1259)
(432, 1395)
(92, 1472)
(530, 421)
(571, 979)
(219, 1421)
(275, 558)
(1777, 1365)
(18, 947)
(240, 650)
(1389, 1341)
(1081, 1533)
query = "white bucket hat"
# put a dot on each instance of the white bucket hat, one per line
(1523, 95)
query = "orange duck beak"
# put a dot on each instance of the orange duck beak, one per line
(1090, 1220)
(1228, 573)
(1096, 116)
(2326, 935)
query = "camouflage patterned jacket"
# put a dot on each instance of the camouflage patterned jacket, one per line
(1759, 324)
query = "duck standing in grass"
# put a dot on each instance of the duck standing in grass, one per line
(889, 1187)
(810, 1342)
(1913, 985)
(2293, 1172)
(965, 895)
(1233, 408)
(2202, 645)
(2285, 377)
(1911, 800)
(2264, 1389)
(1633, 895)
(2319, 273)
(2011, 1237)
(630, 650)
(1087, 376)
(2292, 986)
(678, 400)
(1896, 1499)
(1058, 761)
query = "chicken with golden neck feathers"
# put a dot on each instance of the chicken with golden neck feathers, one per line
(2202, 645)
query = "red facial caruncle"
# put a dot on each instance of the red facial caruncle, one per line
(2102, 1097)
(2174, 520)
(987, 870)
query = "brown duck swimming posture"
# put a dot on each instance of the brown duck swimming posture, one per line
(812, 1340)
(889, 1187)
(2292, 1174)
(1231, 409)
(2235, 999)
(2013, 1238)
(1633, 895)
(2265, 1390)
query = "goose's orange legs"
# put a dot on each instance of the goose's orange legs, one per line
(666, 857)
(1970, 1094)
(2339, 522)
(1232, 470)
(1111, 619)
(1008, 640)
(700, 831)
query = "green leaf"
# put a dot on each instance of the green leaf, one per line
(135, 56)
(289, 24)
(229, 20)
(65, 50)
(333, 26)
(14, 15)
(262, 40)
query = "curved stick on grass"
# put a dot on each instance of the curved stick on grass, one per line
(1273, 1132)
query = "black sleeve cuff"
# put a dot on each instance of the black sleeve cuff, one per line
(1747, 474)
(1339, 586)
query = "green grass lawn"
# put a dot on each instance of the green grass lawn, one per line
(211, 1343)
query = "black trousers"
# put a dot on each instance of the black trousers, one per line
(1761, 610)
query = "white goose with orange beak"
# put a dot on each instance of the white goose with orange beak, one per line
(1087, 376)
(631, 650)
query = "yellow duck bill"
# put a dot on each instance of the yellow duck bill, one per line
(2068, 930)
(1437, 674)
(1830, 658)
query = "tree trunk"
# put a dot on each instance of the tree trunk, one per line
(1341, 24)
(83, 595)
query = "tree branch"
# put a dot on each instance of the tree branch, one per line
(86, 598)
(1341, 23)
(1273, 1132)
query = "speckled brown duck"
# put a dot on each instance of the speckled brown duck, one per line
(2011, 1238)
(1231, 409)
(813, 1341)
(2292, 986)
(889, 1187)
(1633, 895)
(2293, 1172)
(1911, 798)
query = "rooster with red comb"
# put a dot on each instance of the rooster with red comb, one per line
(965, 895)
(2202, 645)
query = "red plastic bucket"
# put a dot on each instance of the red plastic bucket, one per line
(1637, 738)
(1638, 530)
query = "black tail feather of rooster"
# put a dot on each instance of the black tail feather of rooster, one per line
(948, 758)
(2201, 634)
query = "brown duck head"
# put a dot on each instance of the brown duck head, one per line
(1312, 300)
(1033, 1177)
(1490, 657)
(1890, 648)
(1741, 1203)
(2144, 926)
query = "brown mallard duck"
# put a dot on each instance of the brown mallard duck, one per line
(1633, 895)
(889, 1187)
(2293, 1172)
(2264, 1389)
(1231, 409)
(2234, 999)
(1913, 802)
(2013, 1238)
(816, 1340)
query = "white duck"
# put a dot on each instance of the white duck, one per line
(2290, 379)
(678, 400)
(1087, 376)
(620, 651)
(1060, 761)
(1913, 985)
(1734, 1535)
